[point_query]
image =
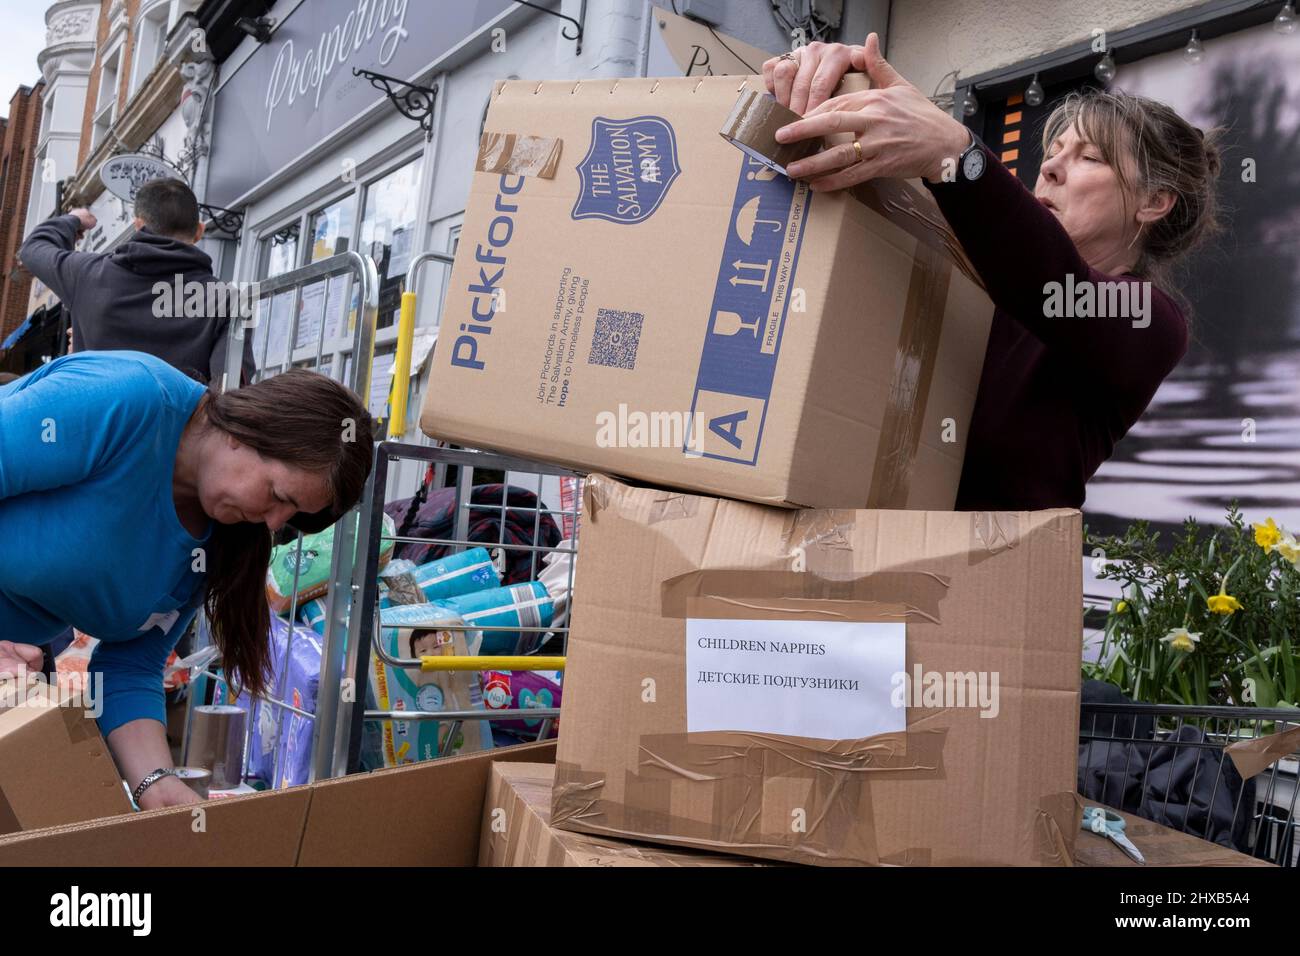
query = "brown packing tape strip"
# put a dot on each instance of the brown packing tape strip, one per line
(77, 723)
(899, 202)
(671, 506)
(909, 388)
(993, 532)
(1252, 757)
(516, 154)
(819, 541)
(751, 127)
(769, 595)
(1056, 827)
(838, 822)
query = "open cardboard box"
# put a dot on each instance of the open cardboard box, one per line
(427, 814)
(54, 766)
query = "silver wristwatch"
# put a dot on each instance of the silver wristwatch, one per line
(972, 161)
(149, 780)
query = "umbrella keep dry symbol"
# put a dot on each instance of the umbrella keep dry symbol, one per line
(747, 219)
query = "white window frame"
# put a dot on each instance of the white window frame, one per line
(147, 18)
(106, 111)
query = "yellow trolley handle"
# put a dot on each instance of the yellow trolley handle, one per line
(401, 388)
(491, 663)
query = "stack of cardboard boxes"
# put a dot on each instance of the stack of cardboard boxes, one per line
(785, 643)
(786, 646)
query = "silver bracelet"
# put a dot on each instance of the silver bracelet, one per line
(149, 780)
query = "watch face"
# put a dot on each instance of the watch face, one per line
(972, 166)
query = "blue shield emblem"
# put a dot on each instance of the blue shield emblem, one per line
(627, 170)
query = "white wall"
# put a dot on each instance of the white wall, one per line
(928, 38)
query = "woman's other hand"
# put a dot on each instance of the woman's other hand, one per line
(901, 133)
(18, 658)
(805, 79)
(167, 792)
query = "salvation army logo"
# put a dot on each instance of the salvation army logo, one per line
(627, 170)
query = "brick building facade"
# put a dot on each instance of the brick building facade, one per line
(19, 134)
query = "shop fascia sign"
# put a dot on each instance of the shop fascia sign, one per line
(124, 174)
(299, 75)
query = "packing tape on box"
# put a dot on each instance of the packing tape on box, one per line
(909, 386)
(671, 506)
(1256, 755)
(993, 532)
(516, 154)
(838, 827)
(900, 203)
(839, 823)
(777, 595)
(76, 721)
(1057, 827)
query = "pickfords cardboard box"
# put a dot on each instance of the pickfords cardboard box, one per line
(55, 767)
(828, 687)
(425, 814)
(517, 830)
(633, 294)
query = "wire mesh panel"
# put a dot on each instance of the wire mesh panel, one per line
(320, 317)
(478, 500)
(1169, 764)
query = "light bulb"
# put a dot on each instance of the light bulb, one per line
(1193, 52)
(1034, 92)
(1285, 20)
(969, 104)
(1104, 71)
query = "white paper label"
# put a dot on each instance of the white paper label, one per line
(830, 680)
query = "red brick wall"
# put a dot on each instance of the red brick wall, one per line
(17, 164)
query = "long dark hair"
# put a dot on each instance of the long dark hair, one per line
(307, 421)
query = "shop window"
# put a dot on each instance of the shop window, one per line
(331, 229)
(388, 227)
(279, 253)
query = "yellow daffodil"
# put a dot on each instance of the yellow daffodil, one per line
(1181, 639)
(1121, 607)
(1223, 603)
(1289, 548)
(1267, 534)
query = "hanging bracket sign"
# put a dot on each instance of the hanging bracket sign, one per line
(124, 174)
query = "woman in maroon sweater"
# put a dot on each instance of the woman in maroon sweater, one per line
(1125, 188)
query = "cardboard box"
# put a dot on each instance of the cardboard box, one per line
(55, 768)
(830, 687)
(657, 304)
(1159, 846)
(420, 815)
(517, 830)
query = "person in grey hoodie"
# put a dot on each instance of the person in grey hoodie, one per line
(116, 300)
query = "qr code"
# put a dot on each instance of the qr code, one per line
(615, 339)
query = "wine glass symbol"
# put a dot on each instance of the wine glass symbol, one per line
(730, 323)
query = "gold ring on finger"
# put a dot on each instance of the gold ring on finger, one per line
(857, 148)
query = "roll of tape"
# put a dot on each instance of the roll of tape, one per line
(217, 743)
(197, 779)
(751, 127)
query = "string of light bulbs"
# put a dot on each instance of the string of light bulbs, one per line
(1104, 70)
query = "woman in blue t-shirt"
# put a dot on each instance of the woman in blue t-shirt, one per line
(130, 495)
